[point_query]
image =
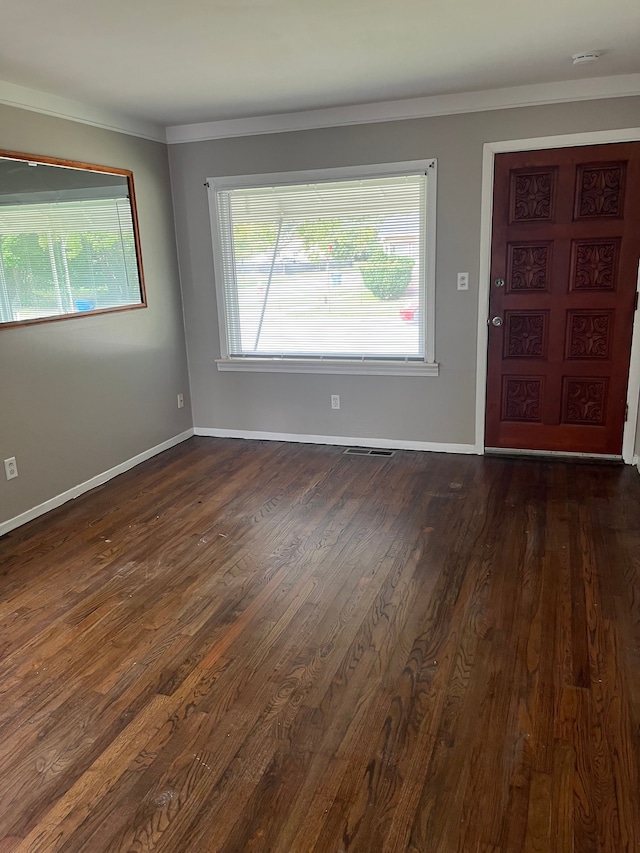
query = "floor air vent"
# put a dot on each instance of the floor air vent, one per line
(365, 451)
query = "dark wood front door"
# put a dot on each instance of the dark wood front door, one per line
(564, 267)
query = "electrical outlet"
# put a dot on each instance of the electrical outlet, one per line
(463, 281)
(181, 401)
(11, 468)
(335, 401)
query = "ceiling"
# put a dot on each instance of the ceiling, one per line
(172, 63)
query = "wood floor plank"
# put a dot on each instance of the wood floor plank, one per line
(259, 647)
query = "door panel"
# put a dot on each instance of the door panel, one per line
(564, 265)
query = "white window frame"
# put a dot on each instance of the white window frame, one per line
(284, 364)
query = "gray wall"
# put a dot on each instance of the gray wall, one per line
(438, 409)
(80, 396)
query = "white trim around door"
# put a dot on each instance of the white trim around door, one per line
(490, 149)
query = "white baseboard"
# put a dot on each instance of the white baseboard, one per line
(339, 440)
(636, 462)
(98, 480)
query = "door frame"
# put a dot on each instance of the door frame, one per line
(489, 151)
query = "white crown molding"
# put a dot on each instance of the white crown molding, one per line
(53, 105)
(436, 105)
(94, 482)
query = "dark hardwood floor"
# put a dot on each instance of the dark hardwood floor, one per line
(253, 647)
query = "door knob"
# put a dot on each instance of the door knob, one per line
(499, 282)
(497, 321)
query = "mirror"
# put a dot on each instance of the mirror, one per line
(69, 241)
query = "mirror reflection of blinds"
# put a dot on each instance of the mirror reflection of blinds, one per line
(70, 217)
(67, 257)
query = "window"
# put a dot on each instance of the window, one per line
(328, 271)
(68, 242)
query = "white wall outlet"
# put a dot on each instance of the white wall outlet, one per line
(181, 401)
(11, 468)
(463, 281)
(335, 401)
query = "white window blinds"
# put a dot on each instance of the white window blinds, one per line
(332, 269)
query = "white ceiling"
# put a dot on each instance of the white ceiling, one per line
(171, 62)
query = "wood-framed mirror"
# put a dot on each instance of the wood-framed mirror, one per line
(69, 240)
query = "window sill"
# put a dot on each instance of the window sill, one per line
(345, 366)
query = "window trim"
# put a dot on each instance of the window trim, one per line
(370, 365)
(87, 167)
(335, 366)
